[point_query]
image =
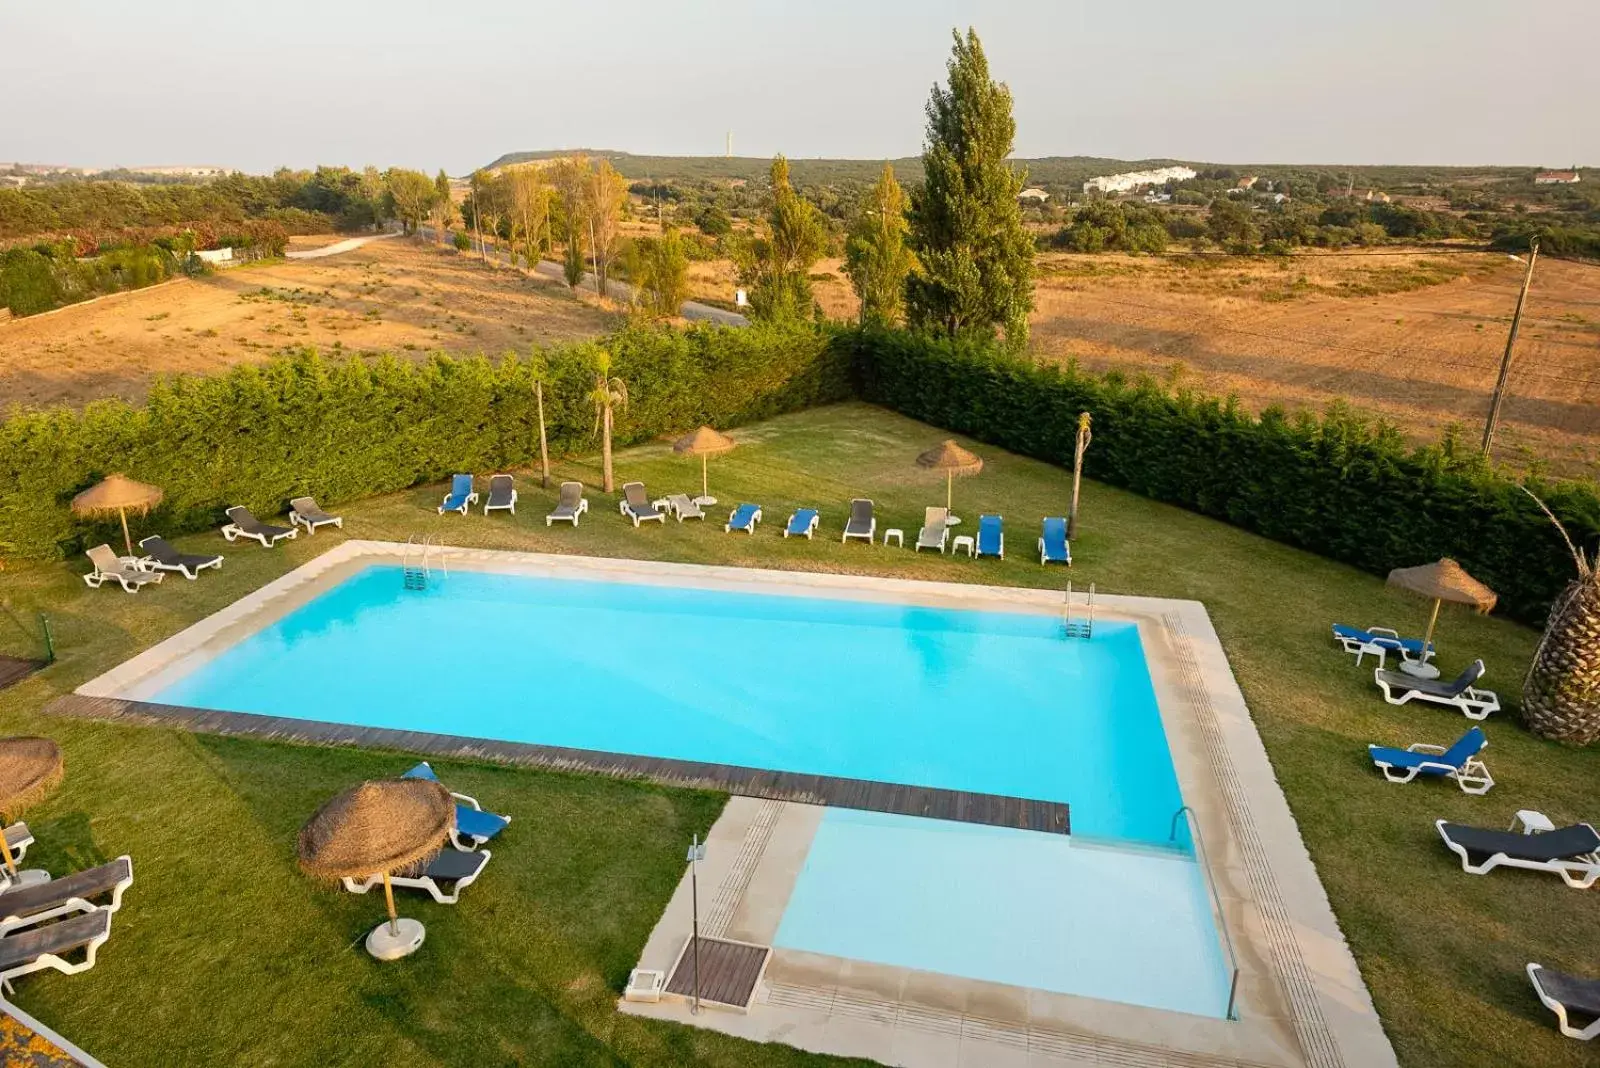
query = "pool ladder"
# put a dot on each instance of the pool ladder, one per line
(419, 571)
(1078, 627)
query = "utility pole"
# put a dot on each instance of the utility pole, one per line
(1505, 361)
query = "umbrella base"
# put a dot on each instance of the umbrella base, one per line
(31, 877)
(1419, 670)
(705, 501)
(385, 945)
(952, 521)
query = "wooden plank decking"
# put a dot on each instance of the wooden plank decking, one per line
(14, 669)
(958, 805)
(729, 971)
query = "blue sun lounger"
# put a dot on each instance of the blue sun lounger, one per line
(471, 821)
(1460, 762)
(1379, 641)
(1053, 547)
(745, 517)
(802, 524)
(991, 537)
(461, 495)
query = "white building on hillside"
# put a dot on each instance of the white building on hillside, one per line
(1124, 183)
(1556, 178)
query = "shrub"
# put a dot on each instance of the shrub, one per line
(1338, 486)
(258, 435)
(461, 240)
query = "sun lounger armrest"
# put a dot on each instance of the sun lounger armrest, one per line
(471, 802)
(1384, 632)
(1423, 747)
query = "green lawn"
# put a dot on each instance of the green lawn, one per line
(225, 954)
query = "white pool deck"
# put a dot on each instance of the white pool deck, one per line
(1301, 998)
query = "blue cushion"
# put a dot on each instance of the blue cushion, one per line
(800, 522)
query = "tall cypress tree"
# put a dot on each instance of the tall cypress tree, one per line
(975, 260)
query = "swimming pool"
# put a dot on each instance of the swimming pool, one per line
(984, 701)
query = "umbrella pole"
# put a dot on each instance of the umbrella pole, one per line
(388, 897)
(1427, 639)
(705, 485)
(126, 539)
(949, 491)
(11, 862)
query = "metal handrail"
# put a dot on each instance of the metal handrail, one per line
(1216, 898)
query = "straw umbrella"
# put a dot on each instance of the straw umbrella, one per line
(29, 769)
(119, 494)
(704, 443)
(953, 460)
(377, 828)
(1442, 581)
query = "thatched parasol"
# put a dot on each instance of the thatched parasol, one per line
(704, 443)
(119, 494)
(29, 769)
(1443, 581)
(953, 460)
(379, 827)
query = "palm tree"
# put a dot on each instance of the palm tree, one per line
(1561, 695)
(609, 392)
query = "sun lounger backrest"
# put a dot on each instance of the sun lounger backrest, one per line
(104, 559)
(934, 518)
(1473, 672)
(1467, 746)
(460, 485)
(989, 530)
(633, 492)
(1055, 533)
(860, 512)
(500, 483)
(571, 494)
(241, 517)
(29, 944)
(157, 546)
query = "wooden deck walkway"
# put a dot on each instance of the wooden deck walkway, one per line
(991, 809)
(729, 972)
(13, 669)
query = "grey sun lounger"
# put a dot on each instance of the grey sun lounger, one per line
(242, 524)
(935, 532)
(161, 556)
(33, 948)
(1574, 999)
(862, 523)
(570, 506)
(305, 512)
(1459, 693)
(1572, 852)
(683, 507)
(110, 567)
(635, 504)
(444, 877)
(502, 495)
(71, 893)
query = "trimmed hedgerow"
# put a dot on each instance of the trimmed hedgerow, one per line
(259, 435)
(1338, 485)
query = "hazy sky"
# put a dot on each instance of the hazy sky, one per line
(430, 84)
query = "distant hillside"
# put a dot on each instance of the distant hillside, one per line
(1064, 172)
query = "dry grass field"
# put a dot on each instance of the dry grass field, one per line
(392, 295)
(1415, 338)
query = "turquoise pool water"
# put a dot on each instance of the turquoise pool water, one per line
(993, 702)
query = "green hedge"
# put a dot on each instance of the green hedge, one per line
(259, 435)
(1338, 486)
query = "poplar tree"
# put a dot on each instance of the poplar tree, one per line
(975, 261)
(775, 266)
(876, 257)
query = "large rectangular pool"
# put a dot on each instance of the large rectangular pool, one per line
(983, 701)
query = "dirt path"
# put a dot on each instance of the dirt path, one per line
(347, 245)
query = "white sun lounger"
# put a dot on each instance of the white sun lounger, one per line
(862, 523)
(68, 894)
(110, 567)
(683, 507)
(502, 495)
(1574, 999)
(1572, 852)
(242, 524)
(1459, 693)
(28, 948)
(305, 512)
(570, 505)
(635, 504)
(160, 555)
(1459, 762)
(444, 877)
(935, 532)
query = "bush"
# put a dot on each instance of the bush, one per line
(1338, 486)
(260, 434)
(461, 240)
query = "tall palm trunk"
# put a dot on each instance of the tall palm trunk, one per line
(605, 450)
(1561, 695)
